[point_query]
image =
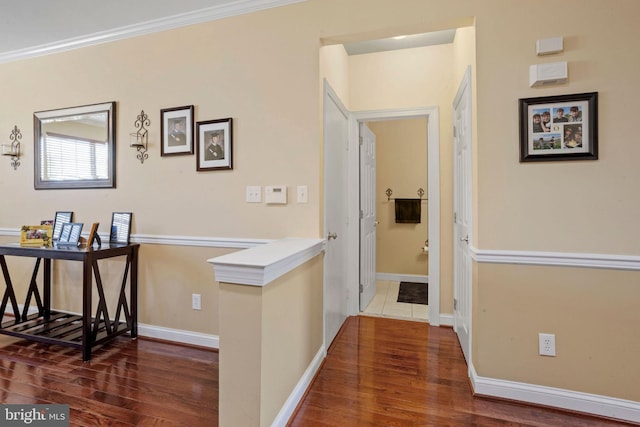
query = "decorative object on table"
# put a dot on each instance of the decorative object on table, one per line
(70, 234)
(62, 217)
(120, 227)
(94, 237)
(561, 127)
(176, 128)
(140, 138)
(36, 235)
(13, 148)
(214, 144)
(75, 147)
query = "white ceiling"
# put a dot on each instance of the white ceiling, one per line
(30, 23)
(394, 43)
(36, 27)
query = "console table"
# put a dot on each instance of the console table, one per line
(56, 327)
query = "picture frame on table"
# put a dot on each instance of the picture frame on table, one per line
(214, 144)
(562, 127)
(61, 218)
(120, 230)
(94, 237)
(36, 235)
(176, 130)
(70, 234)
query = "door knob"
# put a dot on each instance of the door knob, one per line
(466, 239)
(332, 236)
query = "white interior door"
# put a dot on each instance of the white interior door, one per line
(462, 214)
(336, 138)
(367, 216)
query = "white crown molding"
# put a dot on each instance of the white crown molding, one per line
(564, 259)
(549, 396)
(233, 8)
(260, 265)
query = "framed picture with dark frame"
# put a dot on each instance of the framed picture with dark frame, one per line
(563, 127)
(176, 130)
(214, 145)
(61, 218)
(120, 230)
(70, 234)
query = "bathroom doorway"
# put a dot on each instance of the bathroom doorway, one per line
(404, 251)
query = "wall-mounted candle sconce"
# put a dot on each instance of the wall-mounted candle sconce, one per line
(13, 149)
(140, 139)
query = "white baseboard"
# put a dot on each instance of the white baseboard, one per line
(549, 396)
(298, 392)
(179, 336)
(446, 319)
(167, 334)
(403, 277)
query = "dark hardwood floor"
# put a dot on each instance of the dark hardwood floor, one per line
(137, 383)
(385, 372)
(378, 372)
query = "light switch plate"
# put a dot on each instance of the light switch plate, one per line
(254, 194)
(303, 194)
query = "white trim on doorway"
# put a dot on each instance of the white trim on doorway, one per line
(433, 194)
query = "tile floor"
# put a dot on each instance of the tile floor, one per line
(385, 304)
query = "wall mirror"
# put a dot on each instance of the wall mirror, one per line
(75, 147)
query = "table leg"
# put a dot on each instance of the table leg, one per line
(133, 282)
(87, 283)
(46, 288)
(33, 292)
(9, 294)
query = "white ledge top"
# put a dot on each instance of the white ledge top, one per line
(260, 265)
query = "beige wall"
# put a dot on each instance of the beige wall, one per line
(269, 335)
(588, 310)
(262, 69)
(401, 164)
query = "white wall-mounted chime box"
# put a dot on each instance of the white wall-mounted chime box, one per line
(549, 46)
(548, 74)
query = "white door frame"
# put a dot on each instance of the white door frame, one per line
(433, 194)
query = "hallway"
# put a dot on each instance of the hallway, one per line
(385, 372)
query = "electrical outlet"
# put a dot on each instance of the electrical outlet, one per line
(547, 344)
(196, 302)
